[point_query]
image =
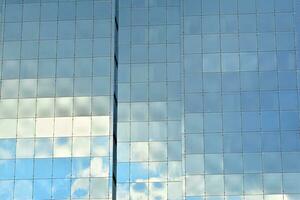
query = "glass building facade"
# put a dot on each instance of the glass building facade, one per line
(57, 99)
(150, 99)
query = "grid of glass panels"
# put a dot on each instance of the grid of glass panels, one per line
(241, 100)
(55, 103)
(149, 109)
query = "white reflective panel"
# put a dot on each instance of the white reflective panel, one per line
(100, 125)
(45, 107)
(27, 88)
(158, 190)
(175, 190)
(254, 197)
(194, 185)
(139, 131)
(99, 188)
(291, 196)
(63, 126)
(234, 184)
(82, 106)
(43, 147)
(26, 128)
(63, 107)
(157, 131)
(123, 152)
(99, 167)
(25, 148)
(274, 197)
(174, 170)
(123, 191)
(123, 131)
(8, 108)
(44, 127)
(8, 128)
(9, 88)
(27, 107)
(158, 171)
(62, 147)
(139, 151)
(214, 184)
(46, 87)
(158, 151)
(81, 146)
(100, 105)
(81, 126)
(139, 191)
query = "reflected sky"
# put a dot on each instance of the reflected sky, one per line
(207, 103)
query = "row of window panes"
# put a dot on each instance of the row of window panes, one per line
(283, 41)
(239, 23)
(47, 68)
(149, 34)
(157, 92)
(173, 190)
(230, 142)
(247, 121)
(153, 131)
(244, 81)
(28, 88)
(208, 7)
(152, 171)
(246, 143)
(229, 43)
(159, 190)
(242, 184)
(248, 101)
(153, 151)
(54, 147)
(234, 163)
(251, 61)
(57, 30)
(60, 107)
(143, 171)
(59, 49)
(152, 111)
(149, 16)
(141, 4)
(62, 168)
(251, 142)
(247, 43)
(48, 127)
(229, 57)
(57, 11)
(155, 72)
(55, 188)
(153, 53)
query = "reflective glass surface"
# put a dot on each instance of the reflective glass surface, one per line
(57, 69)
(149, 99)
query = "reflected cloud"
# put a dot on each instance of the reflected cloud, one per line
(62, 147)
(99, 167)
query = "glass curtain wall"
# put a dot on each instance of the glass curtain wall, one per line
(56, 99)
(149, 110)
(241, 113)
